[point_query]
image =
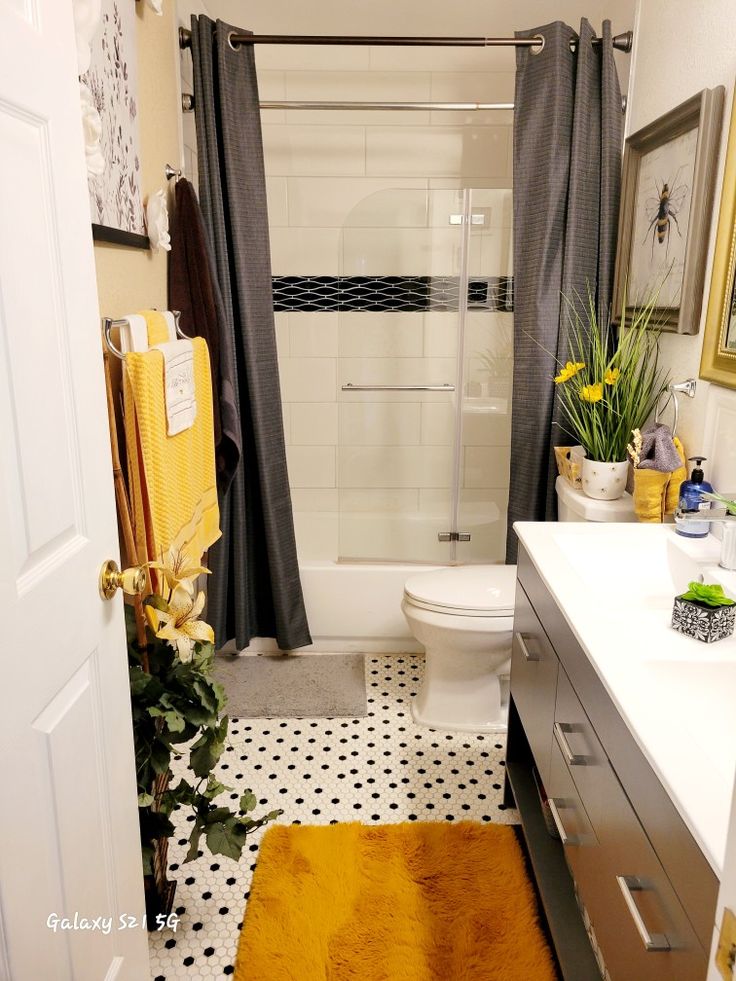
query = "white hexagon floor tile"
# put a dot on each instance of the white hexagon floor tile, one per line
(380, 769)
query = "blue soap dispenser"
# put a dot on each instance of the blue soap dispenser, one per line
(691, 500)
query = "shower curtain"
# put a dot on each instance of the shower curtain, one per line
(568, 131)
(255, 589)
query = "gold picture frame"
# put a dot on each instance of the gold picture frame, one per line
(718, 360)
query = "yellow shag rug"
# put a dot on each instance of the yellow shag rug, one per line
(405, 902)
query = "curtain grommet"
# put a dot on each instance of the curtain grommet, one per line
(540, 49)
(230, 36)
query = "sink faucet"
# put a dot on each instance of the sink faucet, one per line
(717, 516)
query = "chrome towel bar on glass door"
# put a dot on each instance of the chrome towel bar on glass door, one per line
(349, 387)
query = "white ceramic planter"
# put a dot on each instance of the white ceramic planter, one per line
(604, 481)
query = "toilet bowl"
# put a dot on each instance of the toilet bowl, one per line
(464, 617)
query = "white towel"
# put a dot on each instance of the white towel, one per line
(134, 334)
(181, 402)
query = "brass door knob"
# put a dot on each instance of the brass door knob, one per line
(132, 581)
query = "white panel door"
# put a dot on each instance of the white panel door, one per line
(68, 822)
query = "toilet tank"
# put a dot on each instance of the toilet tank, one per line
(573, 505)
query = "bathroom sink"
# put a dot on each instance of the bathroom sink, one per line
(625, 567)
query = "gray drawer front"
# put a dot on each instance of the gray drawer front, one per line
(574, 736)
(574, 825)
(623, 850)
(533, 681)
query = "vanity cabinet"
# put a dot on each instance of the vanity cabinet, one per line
(624, 853)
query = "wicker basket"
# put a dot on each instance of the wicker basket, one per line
(569, 466)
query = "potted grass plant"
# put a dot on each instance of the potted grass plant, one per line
(609, 386)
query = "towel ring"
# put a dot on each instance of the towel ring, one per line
(109, 324)
(686, 387)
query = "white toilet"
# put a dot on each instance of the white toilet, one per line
(464, 617)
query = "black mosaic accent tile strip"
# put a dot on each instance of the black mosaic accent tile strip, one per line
(386, 293)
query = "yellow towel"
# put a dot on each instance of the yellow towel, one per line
(158, 332)
(650, 487)
(172, 478)
(672, 498)
(657, 493)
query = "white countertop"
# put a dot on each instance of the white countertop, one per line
(615, 585)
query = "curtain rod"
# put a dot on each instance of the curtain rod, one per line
(622, 42)
(360, 106)
(187, 105)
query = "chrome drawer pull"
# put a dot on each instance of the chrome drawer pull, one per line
(573, 759)
(529, 655)
(652, 941)
(565, 838)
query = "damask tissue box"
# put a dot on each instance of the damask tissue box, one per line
(706, 623)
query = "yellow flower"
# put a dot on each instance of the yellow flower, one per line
(569, 371)
(173, 566)
(592, 393)
(611, 376)
(178, 623)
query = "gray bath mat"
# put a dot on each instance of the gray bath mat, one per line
(293, 686)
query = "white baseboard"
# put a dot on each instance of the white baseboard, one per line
(336, 645)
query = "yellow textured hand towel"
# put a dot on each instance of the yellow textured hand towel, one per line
(650, 487)
(672, 497)
(172, 478)
(158, 331)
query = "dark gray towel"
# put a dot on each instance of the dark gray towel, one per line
(658, 451)
(194, 291)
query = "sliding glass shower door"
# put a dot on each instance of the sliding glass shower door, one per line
(414, 361)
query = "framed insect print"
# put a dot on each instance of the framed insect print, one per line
(718, 362)
(666, 203)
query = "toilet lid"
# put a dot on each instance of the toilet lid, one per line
(475, 589)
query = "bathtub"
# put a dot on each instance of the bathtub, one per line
(355, 606)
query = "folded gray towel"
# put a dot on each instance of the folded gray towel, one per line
(658, 451)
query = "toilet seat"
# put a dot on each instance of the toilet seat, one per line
(469, 590)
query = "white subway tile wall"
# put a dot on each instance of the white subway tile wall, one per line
(370, 193)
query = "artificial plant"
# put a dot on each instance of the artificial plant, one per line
(706, 594)
(612, 382)
(178, 710)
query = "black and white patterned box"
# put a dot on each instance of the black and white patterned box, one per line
(701, 622)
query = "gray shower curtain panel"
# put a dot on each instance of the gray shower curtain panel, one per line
(568, 131)
(255, 589)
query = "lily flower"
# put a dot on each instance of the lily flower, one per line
(612, 376)
(179, 623)
(175, 570)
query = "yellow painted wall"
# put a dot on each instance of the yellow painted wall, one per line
(133, 279)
